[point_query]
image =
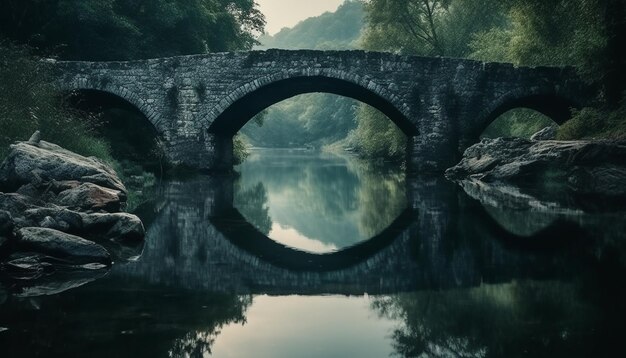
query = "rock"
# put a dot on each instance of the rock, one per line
(62, 198)
(28, 212)
(35, 138)
(589, 167)
(44, 162)
(6, 224)
(97, 226)
(125, 251)
(91, 197)
(16, 204)
(548, 133)
(69, 248)
(116, 226)
(53, 217)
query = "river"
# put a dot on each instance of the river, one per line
(308, 254)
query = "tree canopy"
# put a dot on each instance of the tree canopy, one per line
(102, 30)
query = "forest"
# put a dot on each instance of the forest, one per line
(588, 34)
(581, 33)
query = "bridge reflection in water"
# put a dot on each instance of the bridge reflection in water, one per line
(443, 277)
(444, 239)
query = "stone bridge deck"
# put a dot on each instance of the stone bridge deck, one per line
(197, 103)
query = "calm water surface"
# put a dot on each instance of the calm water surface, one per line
(317, 255)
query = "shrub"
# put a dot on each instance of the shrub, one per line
(240, 149)
(593, 123)
(29, 102)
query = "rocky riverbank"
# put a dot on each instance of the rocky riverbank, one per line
(585, 168)
(60, 212)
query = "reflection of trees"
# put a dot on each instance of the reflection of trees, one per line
(198, 343)
(381, 196)
(119, 319)
(334, 199)
(252, 203)
(315, 196)
(490, 321)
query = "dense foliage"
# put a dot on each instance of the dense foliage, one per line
(104, 30)
(29, 103)
(309, 119)
(131, 29)
(588, 34)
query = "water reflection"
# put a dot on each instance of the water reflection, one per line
(317, 202)
(114, 318)
(525, 318)
(446, 276)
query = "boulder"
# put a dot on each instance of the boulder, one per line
(69, 248)
(91, 197)
(56, 195)
(42, 162)
(97, 226)
(589, 167)
(548, 133)
(121, 227)
(16, 204)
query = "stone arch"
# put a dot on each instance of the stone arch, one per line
(102, 85)
(557, 106)
(235, 109)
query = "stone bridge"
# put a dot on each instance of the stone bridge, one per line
(197, 103)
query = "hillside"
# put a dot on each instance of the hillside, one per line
(311, 119)
(330, 31)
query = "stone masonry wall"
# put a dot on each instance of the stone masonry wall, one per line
(447, 101)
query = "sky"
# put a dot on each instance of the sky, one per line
(287, 13)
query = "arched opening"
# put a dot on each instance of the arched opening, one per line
(302, 184)
(244, 108)
(133, 138)
(526, 115)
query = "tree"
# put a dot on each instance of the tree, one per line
(131, 29)
(406, 26)
(428, 27)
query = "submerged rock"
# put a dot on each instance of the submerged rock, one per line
(586, 167)
(69, 248)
